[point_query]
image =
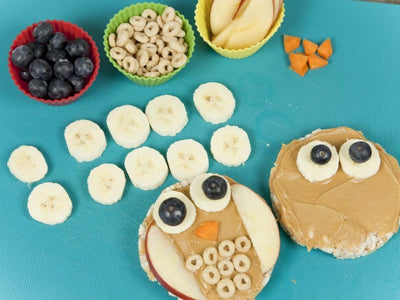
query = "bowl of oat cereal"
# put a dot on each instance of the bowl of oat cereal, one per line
(149, 42)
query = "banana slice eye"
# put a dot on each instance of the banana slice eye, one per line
(174, 212)
(359, 159)
(317, 161)
(210, 192)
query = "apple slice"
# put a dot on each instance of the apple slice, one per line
(260, 224)
(277, 7)
(222, 13)
(252, 25)
(168, 266)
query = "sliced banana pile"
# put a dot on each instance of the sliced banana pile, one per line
(27, 164)
(128, 126)
(214, 101)
(146, 168)
(85, 140)
(49, 203)
(187, 159)
(230, 146)
(106, 184)
(167, 115)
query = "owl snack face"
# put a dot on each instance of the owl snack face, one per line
(212, 239)
(335, 191)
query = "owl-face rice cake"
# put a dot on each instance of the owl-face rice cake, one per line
(211, 238)
(336, 191)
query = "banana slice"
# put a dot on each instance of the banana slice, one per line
(85, 140)
(210, 192)
(230, 146)
(106, 184)
(167, 115)
(49, 203)
(359, 159)
(146, 168)
(27, 164)
(214, 101)
(128, 126)
(187, 159)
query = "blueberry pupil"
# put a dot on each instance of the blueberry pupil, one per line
(321, 154)
(215, 187)
(172, 211)
(360, 152)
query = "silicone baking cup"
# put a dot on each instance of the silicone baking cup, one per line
(71, 31)
(123, 16)
(202, 20)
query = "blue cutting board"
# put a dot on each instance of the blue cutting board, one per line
(94, 255)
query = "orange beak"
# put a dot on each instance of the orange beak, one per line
(208, 231)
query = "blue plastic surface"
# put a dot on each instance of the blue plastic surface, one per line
(94, 255)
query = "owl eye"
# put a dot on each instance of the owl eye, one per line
(317, 161)
(210, 192)
(174, 212)
(359, 159)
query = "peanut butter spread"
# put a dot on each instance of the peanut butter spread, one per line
(341, 212)
(230, 228)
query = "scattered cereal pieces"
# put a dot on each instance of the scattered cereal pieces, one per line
(226, 248)
(194, 262)
(226, 288)
(210, 256)
(211, 275)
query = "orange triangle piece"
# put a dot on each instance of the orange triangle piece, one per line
(298, 60)
(325, 49)
(208, 231)
(316, 62)
(309, 47)
(301, 72)
(290, 43)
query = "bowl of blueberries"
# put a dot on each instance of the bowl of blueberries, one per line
(53, 62)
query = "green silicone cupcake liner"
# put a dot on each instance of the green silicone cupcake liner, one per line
(123, 16)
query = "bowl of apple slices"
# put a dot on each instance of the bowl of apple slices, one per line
(239, 28)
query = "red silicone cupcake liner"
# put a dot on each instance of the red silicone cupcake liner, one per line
(71, 31)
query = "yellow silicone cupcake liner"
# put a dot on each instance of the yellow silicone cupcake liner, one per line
(136, 10)
(202, 20)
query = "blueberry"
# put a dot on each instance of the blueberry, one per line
(38, 49)
(39, 68)
(321, 154)
(58, 41)
(78, 47)
(53, 55)
(360, 152)
(22, 56)
(25, 75)
(78, 83)
(83, 66)
(215, 187)
(172, 211)
(63, 68)
(38, 88)
(43, 32)
(59, 89)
